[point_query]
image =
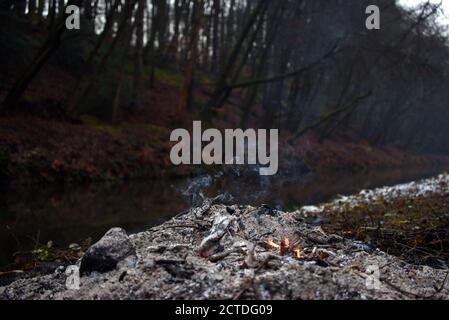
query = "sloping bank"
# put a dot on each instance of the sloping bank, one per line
(240, 252)
(38, 150)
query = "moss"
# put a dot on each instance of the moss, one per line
(413, 228)
(199, 104)
(100, 125)
(150, 128)
(168, 77)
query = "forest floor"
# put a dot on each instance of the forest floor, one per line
(241, 252)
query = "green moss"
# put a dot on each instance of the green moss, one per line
(150, 128)
(168, 77)
(413, 228)
(100, 125)
(199, 103)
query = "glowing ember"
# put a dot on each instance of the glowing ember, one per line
(272, 244)
(284, 248)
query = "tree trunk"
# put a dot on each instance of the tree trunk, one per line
(61, 6)
(20, 7)
(51, 14)
(118, 92)
(89, 11)
(186, 98)
(215, 36)
(138, 59)
(172, 49)
(41, 8)
(32, 6)
(229, 30)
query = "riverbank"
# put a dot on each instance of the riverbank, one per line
(35, 150)
(40, 150)
(242, 252)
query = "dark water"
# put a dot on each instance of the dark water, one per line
(65, 216)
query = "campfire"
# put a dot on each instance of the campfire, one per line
(285, 248)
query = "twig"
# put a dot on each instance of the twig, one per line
(438, 290)
(220, 256)
(194, 226)
(12, 272)
(290, 74)
(181, 214)
(405, 292)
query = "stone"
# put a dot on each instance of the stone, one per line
(103, 256)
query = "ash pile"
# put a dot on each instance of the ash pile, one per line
(235, 252)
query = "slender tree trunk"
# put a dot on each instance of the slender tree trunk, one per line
(138, 59)
(206, 45)
(118, 92)
(61, 5)
(52, 13)
(229, 40)
(215, 36)
(186, 33)
(32, 6)
(20, 7)
(162, 26)
(173, 47)
(186, 98)
(89, 14)
(41, 8)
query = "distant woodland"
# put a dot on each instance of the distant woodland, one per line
(299, 65)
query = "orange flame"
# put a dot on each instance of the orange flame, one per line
(284, 248)
(272, 244)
